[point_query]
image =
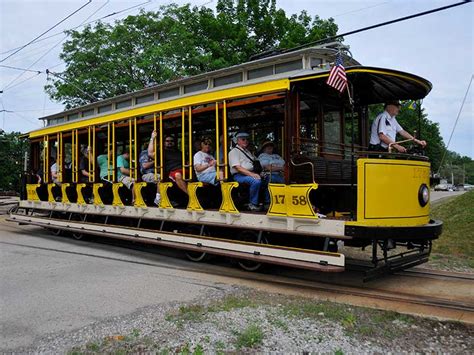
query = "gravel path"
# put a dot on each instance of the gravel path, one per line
(233, 319)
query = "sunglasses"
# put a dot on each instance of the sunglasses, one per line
(169, 141)
(206, 143)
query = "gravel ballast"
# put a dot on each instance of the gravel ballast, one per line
(230, 319)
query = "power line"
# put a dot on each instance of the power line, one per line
(455, 123)
(400, 19)
(27, 44)
(361, 9)
(84, 24)
(17, 68)
(21, 82)
(8, 86)
(72, 84)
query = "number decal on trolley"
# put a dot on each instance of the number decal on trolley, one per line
(291, 200)
(299, 200)
(279, 199)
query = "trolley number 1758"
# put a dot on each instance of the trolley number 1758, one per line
(295, 200)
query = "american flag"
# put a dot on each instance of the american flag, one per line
(337, 77)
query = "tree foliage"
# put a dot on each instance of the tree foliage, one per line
(11, 156)
(176, 41)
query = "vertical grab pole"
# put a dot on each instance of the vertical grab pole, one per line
(76, 155)
(130, 152)
(72, 153)
(182, 142)
(224, 142)
(58, 157)
(135, 142)
(46, 159)
(114, 161)
(108, 151)
(88, 146)
(155, 160)
(161, 146)
(93, 155)
(217, 141)
(61, 149)
(190, 142)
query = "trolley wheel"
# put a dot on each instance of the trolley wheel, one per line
(196, 256)
(78, 235)
(55, 231)
(251, 236)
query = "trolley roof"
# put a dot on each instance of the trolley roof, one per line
(369, 85)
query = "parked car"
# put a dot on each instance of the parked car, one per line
(445, 187)
(468, 187)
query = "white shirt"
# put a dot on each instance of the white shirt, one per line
(201, 158)
(237, 157)
(54, 169)
(386, 124)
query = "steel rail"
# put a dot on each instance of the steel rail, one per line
(294, 282)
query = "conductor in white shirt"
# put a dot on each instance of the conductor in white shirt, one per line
(385, 128)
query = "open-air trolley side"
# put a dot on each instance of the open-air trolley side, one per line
(335, 194)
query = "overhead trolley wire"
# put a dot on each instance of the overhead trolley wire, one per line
(83, 24)
(17, 68)
(9, 85)
(455, 124)
(33, 40)
(400, 19)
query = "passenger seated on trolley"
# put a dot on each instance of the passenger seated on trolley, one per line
(385, 128)
(147, 166)
(55, 173)
(174, 163)
(273, 167)
(102, 160)
(242, 164)
(84, 172)
(123, 171)
(205, 163)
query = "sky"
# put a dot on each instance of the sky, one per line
(438, 47)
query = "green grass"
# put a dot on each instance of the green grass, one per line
(458, 227)
(195, 313)
(365, 322)
(249, 337)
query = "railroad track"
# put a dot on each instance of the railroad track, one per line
(437, 274)
(455, 309)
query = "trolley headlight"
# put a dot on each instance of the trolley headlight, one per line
(423, 195)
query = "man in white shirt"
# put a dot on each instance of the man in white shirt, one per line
(241, 162)
(385, 128)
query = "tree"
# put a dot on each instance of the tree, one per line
(177, 41)
(12, 157)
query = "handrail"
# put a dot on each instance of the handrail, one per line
(305, 163)
(390, 146)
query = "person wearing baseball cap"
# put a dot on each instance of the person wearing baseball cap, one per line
(242, 167)
(385, 128)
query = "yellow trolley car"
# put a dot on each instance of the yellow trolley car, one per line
(334, 194)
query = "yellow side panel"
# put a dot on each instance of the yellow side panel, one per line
(387, 193)
(291, 200)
